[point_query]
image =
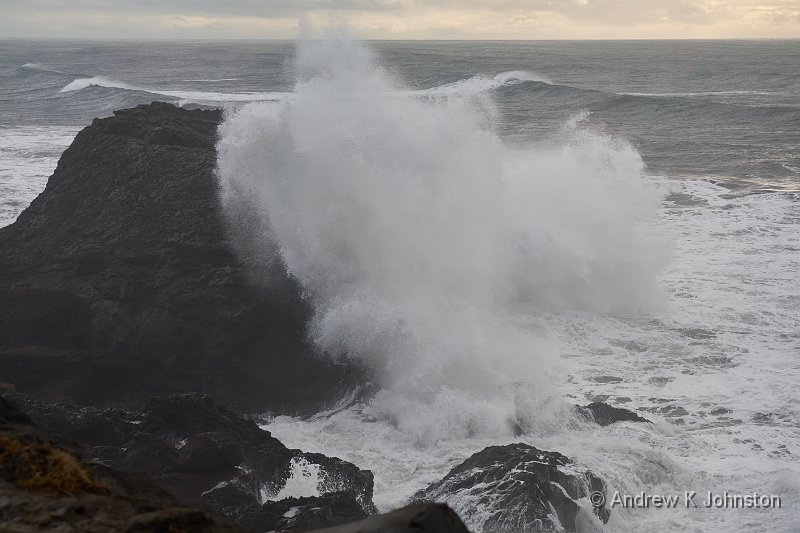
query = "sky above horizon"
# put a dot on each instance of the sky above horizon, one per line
(403, 19)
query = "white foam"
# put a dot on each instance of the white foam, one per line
(97, 81)
(43, 68)
(28, 156)
(428, 246)
(303, 481)
(361, 191)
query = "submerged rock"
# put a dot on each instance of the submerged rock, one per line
(605, 415)
(517, 488)
(120, 281)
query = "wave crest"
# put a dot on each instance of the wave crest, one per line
(188, 96)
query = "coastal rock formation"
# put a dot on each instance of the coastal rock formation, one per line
(120, 281)
(520, 488)
(293, 515)
(123, 282)
(420, 518)
(210, 458)
(45, 484)
(605, 415)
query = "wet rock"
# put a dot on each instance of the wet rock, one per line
(210, 458)
(420, 518)
(519, 488)
(605, 415)
(720, 411)
(293, 515)
(682, 199)
(120, 281)
(91, 426)
(606, 379)
(11, 414)
(45, 484)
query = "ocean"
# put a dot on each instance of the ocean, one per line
(500, 230)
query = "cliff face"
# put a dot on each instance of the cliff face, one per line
(119, 281)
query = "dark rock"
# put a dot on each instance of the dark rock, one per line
(518, 488)
(293, 515)
(90, 426)
(45, 484)
(120, 281)
(208, 452)
(11, 414)
(420, 518)
(208, 457)
(46, 318)
(605, 415)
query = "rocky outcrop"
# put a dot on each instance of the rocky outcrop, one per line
(210, 458)
(119, 282)
(293, 515)
(45, 484)
(520, 488)
(605, 415)
(420, 518)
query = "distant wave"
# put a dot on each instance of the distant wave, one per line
(42, 68)
(479, 84)
(97, 81)
(519, 76)
(216, 80)
(193, 96)
(466, 87)
(710, 93)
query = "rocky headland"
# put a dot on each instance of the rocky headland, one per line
(120, 281)
(137, 343)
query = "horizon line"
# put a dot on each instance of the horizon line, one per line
(292, 39)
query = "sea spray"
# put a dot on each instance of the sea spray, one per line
(427, 246)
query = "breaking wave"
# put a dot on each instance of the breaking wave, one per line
(41, 68)
(427, 246)
(193, 96)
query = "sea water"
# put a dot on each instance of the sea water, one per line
(500, 230)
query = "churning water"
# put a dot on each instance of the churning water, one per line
(501, 230)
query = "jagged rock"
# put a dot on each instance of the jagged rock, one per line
(420, 518)
(295, 515)
(91, 426)
(604, 414)
(11, 414)
(519, 488)
(46, 485)
(210, 458)
(120, 281)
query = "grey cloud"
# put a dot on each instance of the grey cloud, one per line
(29, 15)
(252, 8)
(618, 12)
(604, 11)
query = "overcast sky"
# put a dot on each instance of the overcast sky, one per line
(403, 19)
